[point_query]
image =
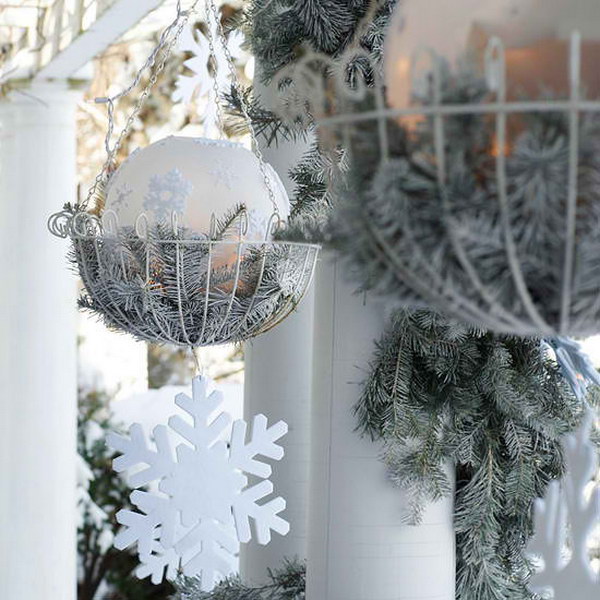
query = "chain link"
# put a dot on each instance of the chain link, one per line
(243, 105)
(215, 66)
(166, 42)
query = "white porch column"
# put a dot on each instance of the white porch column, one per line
(37, 347)
(358, 548)
(278, 382)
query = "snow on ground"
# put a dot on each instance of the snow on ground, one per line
(110, 361)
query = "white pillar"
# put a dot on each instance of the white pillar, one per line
(278, 382)
(358, 548)
(37, 348)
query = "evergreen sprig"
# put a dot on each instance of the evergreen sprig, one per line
(446, 397)
(279, 32)
(168, 288)
(287, 582)
(416, 240)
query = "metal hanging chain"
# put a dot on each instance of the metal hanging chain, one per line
(166, 42)
(213, 74)
(243, 105)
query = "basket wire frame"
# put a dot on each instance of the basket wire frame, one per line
(265, 281)
(307, 88)
(222, 305)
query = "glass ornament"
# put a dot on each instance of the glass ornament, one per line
(537, 37)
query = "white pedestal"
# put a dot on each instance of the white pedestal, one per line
(358, 548)
(37, 348)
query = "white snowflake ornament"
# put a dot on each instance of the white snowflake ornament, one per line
(199, 84)
(564, 520)
(203, 505)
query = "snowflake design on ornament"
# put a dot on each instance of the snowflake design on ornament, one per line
(167, 194)
(203, 506)
(224, 175)
(569, 512)
(123, 194)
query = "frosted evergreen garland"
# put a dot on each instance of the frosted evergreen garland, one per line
(446, 246)
(496, 407)
(278, 34)
(398, 208)
(287, 582)
(155, 288)
(279, 31)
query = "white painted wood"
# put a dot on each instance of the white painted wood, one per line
(110, 25)
(278, 381)
(358, 548)
(38, 372)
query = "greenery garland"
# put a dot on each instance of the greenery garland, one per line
(454, 235)
(288, 582)
(440, 393)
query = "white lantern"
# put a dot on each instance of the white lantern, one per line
(535, 34)
(196, 178)
(486, 204)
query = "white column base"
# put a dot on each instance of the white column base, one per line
(278, 383)
(358, 547)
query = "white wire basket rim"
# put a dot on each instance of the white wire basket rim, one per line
(182, 291)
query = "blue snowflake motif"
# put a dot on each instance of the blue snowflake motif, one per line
(123, 196)
(167, 194)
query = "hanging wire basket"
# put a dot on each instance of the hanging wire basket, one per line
(466, 200)
(164, 283)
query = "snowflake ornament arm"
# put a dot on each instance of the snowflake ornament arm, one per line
(203, 432)
(135, 452)
(262, 442)
(243, 456)
(266, 516)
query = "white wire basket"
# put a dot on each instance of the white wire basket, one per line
(404, 221)
(163, 283)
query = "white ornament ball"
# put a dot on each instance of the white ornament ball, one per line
(195, 178)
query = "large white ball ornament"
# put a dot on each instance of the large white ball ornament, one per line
(195, 178)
